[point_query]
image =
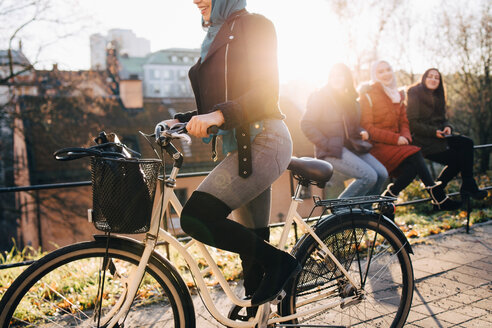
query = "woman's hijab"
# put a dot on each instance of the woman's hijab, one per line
(391, 90)
(221, 10)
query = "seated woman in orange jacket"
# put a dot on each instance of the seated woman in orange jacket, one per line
(383, 115)
(432, 132)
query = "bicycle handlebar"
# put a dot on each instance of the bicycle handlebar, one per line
(163, 134)
(177, 131)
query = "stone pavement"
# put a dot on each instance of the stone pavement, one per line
(453, 282)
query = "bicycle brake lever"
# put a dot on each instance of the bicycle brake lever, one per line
(159, 128)
(180, 135)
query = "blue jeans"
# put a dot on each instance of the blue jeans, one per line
(369, 173)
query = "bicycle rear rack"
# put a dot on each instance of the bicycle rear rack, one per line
(352, 201)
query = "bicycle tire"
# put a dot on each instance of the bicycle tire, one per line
(388, 289)
(162, 292)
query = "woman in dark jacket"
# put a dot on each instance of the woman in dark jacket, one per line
(332, 114)
(235, 82)
(432, 132)
(383, 115)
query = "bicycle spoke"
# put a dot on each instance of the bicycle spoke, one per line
(62, 292)
(65, 299)
(374, 264)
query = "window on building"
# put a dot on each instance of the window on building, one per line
(183, 74)
(155, 74)
(166, 88)
(186, 59)
(156, 89)
(174, 59)
(167, 74)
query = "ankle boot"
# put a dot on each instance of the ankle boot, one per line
(253, 270)
(278, 272)
(447, 174)
(440, 200)
(469, 188)
(390, 214)
(389, 191)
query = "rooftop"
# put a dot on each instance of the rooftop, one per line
(18, 58)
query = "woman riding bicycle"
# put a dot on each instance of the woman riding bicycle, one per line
(235, 83)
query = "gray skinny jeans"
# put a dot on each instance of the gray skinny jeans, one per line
(250, 198)
(370, 175)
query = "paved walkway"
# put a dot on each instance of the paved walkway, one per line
(453, 275)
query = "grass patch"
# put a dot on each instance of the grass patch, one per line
(417, 226)
(420, 220)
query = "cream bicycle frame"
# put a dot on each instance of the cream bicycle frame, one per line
(164, 196)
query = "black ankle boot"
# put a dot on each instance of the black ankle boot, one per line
(390, 213)
(447, 174)
(469, 188)
(440, 201)
(277, 273)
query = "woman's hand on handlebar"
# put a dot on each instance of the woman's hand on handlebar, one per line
(199, 124)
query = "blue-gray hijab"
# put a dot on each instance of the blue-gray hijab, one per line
(221, 10)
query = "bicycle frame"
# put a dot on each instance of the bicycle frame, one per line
(166, 196)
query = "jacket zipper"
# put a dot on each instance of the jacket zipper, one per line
(214, 138)
(226, 58)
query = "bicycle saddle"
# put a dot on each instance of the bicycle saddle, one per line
(311, 169)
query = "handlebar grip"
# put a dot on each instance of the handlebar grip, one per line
(213, 129)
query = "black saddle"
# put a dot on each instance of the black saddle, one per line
(311, 171)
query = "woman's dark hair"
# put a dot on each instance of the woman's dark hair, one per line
(434, 98)
(349, 86)
(440, 91)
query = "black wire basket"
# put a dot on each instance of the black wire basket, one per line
(123, 192)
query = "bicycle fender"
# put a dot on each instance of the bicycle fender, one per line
(345, 214)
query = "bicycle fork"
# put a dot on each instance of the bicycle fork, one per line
(122, 307)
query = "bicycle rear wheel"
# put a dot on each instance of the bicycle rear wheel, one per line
(61, 289)
(375, 258)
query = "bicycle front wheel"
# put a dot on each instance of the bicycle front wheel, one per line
(65, 288)
(378, 263)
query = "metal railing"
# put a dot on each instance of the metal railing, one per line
(78, 184)
(468, 205)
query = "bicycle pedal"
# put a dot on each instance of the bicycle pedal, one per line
(279, 298)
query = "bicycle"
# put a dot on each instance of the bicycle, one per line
(356, 266)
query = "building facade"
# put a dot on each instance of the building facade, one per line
(17, 79)
(127, 42)
(164, 74)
